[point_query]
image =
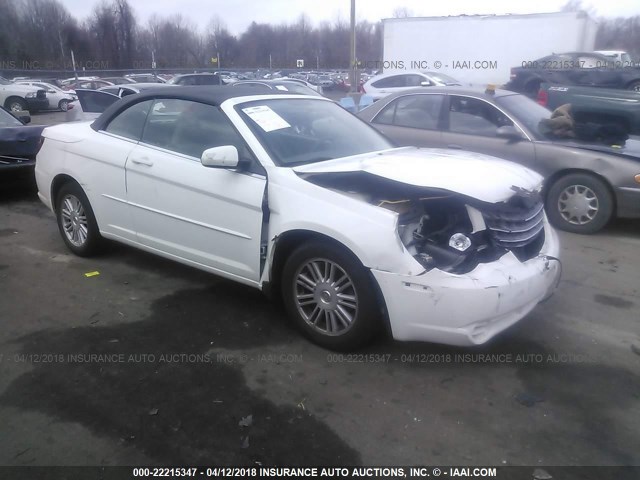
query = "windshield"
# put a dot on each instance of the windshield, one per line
(527, 111)
(300, 131)
(7, 120)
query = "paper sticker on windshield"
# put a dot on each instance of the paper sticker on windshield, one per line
(281, 87)
(266, 118)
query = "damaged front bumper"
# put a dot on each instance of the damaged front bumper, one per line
(469, 309)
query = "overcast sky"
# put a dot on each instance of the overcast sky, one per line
(238, 14)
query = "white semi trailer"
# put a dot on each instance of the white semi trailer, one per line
(481, 49)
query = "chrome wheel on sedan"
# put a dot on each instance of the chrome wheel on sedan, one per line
(330, 296)
(578, 204)
(325, 296)
(74, 220)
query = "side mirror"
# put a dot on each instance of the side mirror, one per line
(509, 132)
(426, 83)
(220, 157)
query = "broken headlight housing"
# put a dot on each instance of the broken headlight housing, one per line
(439, 233)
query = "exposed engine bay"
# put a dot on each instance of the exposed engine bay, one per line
(447, 230)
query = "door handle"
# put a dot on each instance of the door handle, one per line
(142, 161)
(455, 147)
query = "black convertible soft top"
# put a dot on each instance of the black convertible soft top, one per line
(209, 94)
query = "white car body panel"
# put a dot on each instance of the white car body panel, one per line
(99, 167)
(212, 219)
(184, 208)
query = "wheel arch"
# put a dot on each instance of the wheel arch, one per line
(285, 243)
(58, 182)
(13, 97)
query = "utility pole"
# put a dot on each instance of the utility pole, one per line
(354, 67)
(73, 61)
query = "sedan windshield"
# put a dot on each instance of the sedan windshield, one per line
(300, 131)
(526, 111)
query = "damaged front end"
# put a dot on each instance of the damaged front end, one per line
(450, 231)
(456, 234)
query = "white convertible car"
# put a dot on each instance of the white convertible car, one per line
(295, 196)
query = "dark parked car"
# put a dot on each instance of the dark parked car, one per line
(19, 143)
(585, 183)
(197, 79)
(290, 86)
(603, 106)
(574, 68)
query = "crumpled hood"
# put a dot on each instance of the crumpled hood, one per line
(483, 177)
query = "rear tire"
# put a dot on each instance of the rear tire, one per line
(76, 221)
(330, 297)
(579, 203)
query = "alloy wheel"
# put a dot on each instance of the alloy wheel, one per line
(74, 220)
(325, 296)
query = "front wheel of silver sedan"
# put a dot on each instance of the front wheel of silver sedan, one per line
(76, 221)
(330, 296)
(579, 203)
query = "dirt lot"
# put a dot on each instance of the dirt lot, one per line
(182, 358)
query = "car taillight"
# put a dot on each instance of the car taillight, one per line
(543, 97)
(513, 74)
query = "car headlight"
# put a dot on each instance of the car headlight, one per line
(31, 95)
(459, 241)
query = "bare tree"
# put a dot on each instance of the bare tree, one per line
(403, 12)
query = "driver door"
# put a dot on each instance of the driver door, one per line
(209, 217)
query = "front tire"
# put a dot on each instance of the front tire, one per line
(16, 104)
(63, 105)
(76, 221)
(330, 297)
(579, 203)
